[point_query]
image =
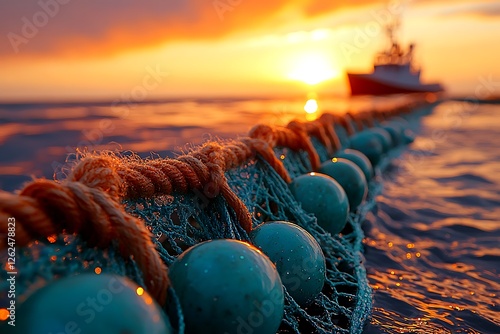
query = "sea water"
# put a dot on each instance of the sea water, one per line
(432, 242)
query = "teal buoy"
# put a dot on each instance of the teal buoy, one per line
(324, 197)
(384, 137)
(227, 286)
(368, 144)
(395, 131)
(350, 177)
(91, 303)
(408, 136)
(297, 255)
(359, 159)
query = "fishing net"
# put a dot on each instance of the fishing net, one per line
(184, 215)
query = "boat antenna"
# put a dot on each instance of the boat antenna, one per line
(392, 28)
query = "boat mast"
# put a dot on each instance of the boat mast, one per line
(395, 52)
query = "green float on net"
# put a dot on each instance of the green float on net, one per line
(350, 177)
(228, 286)
(369, 144)
(359, 159)
(90, 303)
(324, 197)
(297, 256)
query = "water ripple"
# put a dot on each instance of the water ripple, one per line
(432, 245)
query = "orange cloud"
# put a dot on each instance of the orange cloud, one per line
(314, 8)
(94, 27)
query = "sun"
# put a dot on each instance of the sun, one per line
(313, 68)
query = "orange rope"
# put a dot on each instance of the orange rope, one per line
(294, 136)
(357, 121)
(327, 120)
(345, 121)
(266, 151)
(44, 208)
(300, 130)
(317, 129)
(363, 119)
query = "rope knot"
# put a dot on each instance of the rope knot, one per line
(44, 208)
(99, 172)
(328, 120)
(303, 141)
(318, 129)
(264, 132)
(345, 122)
(267, 153)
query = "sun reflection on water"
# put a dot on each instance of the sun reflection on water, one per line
(311, 109)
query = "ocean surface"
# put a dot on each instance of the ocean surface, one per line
(432, 243)
(433, 248)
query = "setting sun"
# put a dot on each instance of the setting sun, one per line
(313, 68)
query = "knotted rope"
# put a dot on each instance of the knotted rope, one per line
(294, 136)
(363, 119)
(345, 121)
(44, 209)
(328, 120)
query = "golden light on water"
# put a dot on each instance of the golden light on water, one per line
(311, 106)
(140, 291)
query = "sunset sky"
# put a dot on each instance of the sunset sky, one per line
(126, 49)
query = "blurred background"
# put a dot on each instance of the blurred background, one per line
(60, 50)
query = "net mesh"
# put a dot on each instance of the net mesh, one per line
(179, 221)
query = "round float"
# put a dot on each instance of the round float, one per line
(227, 286)
(297, 255)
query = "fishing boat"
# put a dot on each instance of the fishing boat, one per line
(393, 72)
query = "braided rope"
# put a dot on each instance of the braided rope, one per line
(346, 122)
(327, 121)
(44, 208)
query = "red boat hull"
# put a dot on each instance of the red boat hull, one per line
(363, 84)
